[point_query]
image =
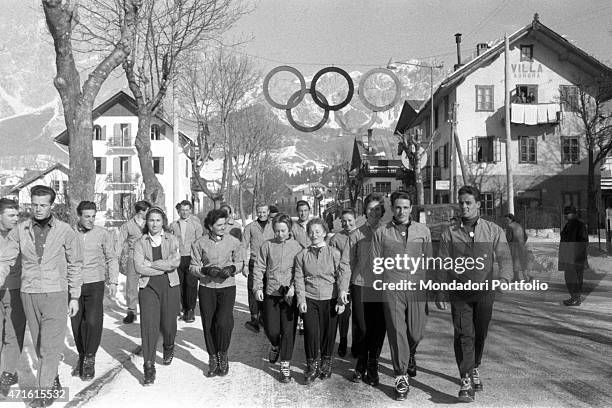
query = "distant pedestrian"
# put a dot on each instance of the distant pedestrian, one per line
(321, 287)
(275, 266)
(51, 261)
(187, 229)
(517, 239)
(233, 228)
(129, 233)
(156, 259)
(215, 259)
(298, 230)
(329, 219)
(573, 255)
(12, 316)
(99, 266)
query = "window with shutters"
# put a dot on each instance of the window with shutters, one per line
(487, 204)
(570, 98)
(55, 185)
(124, 135)
(436, 159)
(382, 187)
(528, 151)
(526, 52)
(155, 132)
(571, 198)
(484, 98)
(97, 133)
(485, 149)
(570, 152)
(158, 165)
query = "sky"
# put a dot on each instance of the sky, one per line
(359, 35)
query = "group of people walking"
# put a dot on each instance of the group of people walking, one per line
(295, 269)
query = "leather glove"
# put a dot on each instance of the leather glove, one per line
(228, 271)
(212, 271)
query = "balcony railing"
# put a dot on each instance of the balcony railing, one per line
(373, 171)
(121, 181)
(120, 142)
(437, 173)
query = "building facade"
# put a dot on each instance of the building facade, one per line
(119, 181)
(547, 150)
(55, 177)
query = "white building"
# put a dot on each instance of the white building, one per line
(55, 177)
(118, 177)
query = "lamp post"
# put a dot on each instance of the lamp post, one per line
(391, 65)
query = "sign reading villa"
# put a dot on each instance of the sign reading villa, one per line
(526, 70)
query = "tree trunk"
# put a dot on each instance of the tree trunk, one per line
(154, 192)
(240, 204)
(591, 196)
(229, 156)
(418, 179)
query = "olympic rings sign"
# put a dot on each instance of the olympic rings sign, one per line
(320, 100)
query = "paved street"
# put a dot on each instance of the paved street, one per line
(538, 353)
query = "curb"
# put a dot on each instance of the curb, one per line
(87, 393)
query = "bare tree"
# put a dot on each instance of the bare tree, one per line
(254, 131)
(167, 31)
(62, 18)
(594, 120)
(416, 150)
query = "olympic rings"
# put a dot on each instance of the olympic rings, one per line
(297, 96)
(302, 92)
(349, 82)
(398, 89)
(360, 129)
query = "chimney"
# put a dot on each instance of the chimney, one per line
(370, 140)
(481, 48)
(458, 42)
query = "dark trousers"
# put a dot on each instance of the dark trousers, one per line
(255, 307)
(573, 281)
(359, 324)
(344, 320)
(217, 311)
(375, 325)
(87, 324)
(189, 284)
(159, 305)
(12, 329)
(320, 322)
(471, 317)
(280, 321)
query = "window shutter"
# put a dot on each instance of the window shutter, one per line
(103, 198)
(103, 133)
(117, 131)
(116, 167)
(162, 131)
(472, 158)
(103, 165)
(129, 134)
(496, 144)
(161, 165)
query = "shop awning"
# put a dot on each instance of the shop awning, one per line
(534, 114)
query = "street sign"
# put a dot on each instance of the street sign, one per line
(442, 184)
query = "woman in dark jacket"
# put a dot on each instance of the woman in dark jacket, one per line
(156, 257)
(215, 258)
(275, 262)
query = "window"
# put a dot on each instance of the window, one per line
(158, 165)
(382, 187)
(570, 150)
(436, 121)
(100, 163)
(571, 198)
(485, 149)
(155, 133)
(97, 133)
(526, 52)
(445, 156)
(484, 98)
(436, 159)
(124, 135)
(55, 185)
(570, 98)
(525, 94)
(528, 149)
(487, 204)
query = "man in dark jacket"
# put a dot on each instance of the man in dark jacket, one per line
(573, 255)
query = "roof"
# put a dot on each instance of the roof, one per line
(29, 180)
(407, 116)
(118, 98)
(457, 77)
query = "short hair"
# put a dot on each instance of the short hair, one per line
(7, 203)
(510, 216)
(142, 206)
(570, 209)
(374, 197)
(350, 211)
(471, 190)
(273, 209)
(259, 205)
(316, 221)
(155, 210)
(183, 203)
(400, 195)
(85, 205)
(229, 207)
(301, 203)
(282, 219)
(41, 191)
(213, 216)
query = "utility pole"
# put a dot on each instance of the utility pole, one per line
(431, 134)
(175, 145)
(509, 177)
(451, 155)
